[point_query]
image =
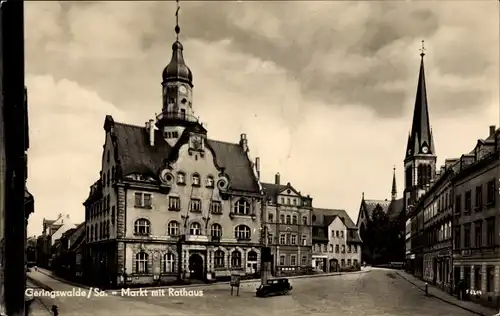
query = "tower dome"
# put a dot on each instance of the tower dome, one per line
(177, 70)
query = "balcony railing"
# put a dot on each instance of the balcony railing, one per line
(176, 116)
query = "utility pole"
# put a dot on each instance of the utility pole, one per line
(14, 129)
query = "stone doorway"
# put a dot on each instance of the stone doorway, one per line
(196, 266)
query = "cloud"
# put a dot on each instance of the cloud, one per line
(324, 91)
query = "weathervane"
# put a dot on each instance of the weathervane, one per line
(177, 28)
(422, 49)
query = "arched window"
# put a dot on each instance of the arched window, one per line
(195, 229)
(242, 232)
(252, 256)
(242, 207)
(270, 217)
(429, 174)
(142, 227)
(210, 182)
(95, 231)
(282, 218)
(294, 219)
(236, 259)
(216, 230)
(288, 219)
(168, 264)
(181, 178)
(408, 177)
(219, 259)
(141, 262)
(173, 228)
(196, 179)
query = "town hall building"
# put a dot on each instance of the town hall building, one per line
(170, 202)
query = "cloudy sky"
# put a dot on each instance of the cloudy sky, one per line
(324, 90)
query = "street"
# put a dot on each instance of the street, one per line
(379, 292)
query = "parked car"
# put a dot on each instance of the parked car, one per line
(274, 287)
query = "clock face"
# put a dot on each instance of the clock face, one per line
(182, 90)
(425, 149)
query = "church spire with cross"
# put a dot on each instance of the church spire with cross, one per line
(394, 191)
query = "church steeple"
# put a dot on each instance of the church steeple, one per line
(420, 139)
(394, 192)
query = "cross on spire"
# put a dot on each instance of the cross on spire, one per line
(422, 49)
(177, 28)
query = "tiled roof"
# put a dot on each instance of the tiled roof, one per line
(395, 208)
(271, 189)
(69, 232)
(323, 215)
(136, 155)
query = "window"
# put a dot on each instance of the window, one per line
(314, 218)
(477, 278)
(337, 234)
(282, 239)
(242, 232)
(324, 248)
(196, 179)
(287, 238)
(304, 220)
(270, 239)
(294, 239)
(288, 219)
(173, 228)
(355, 248)
(304, 240)
(331, 248)
(142, 227)
(252, 256)
(294, 201)
(478, 233)
(294, 219)
(293, 260)
(479, 198)
(355, 262)
(174, 203)
(490, 231)
(210, 182)
(282, 260)
(282, 218)
(216, 207)
(348, 262)
(457, 237)
(219, 259)
(168, 263)
(242, 207)
(348, 248)
(142, 200)
(342, 262)
(181, 178)
(467, 235)
(195, 205)
(303, 261)
(141, 262)
(458, 204)
(341, 234)
(270, 217)
(195, 229)
(337, 248)
(490, 278)
(288, 201)
(216, 230)
(468, 203)
(490, 197)
(113, 215)
(236, 259)
(343, 249)
(282, 200)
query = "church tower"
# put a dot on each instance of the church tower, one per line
(394, 191)
(420, 156)
(177, 90)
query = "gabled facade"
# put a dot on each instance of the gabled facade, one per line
(336, 241)
(171, 203)
(287, 218)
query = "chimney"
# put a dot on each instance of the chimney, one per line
(277, 178)
(151, 132)
(492, 130)
(257, 166)
(244, 142)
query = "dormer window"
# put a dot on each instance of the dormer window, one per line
(196, 179)
(181, 178)
(210, 182)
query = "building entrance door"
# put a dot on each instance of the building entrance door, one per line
(196, 266)
(334, 265)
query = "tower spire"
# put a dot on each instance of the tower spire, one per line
(394, 192)
(177, 27)
(420, 140)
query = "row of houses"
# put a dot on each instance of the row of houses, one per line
(452, 231)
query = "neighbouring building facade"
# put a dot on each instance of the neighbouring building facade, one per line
(52, 230)
(287, 217)
(476, 254)
(336, 241)
(170, 202)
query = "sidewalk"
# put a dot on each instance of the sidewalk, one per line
(322, 275)
(446, 297)
(39, 306)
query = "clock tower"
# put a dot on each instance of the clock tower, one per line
(420, 156)
(177, 91)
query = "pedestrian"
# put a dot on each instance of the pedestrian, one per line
(461, 289)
